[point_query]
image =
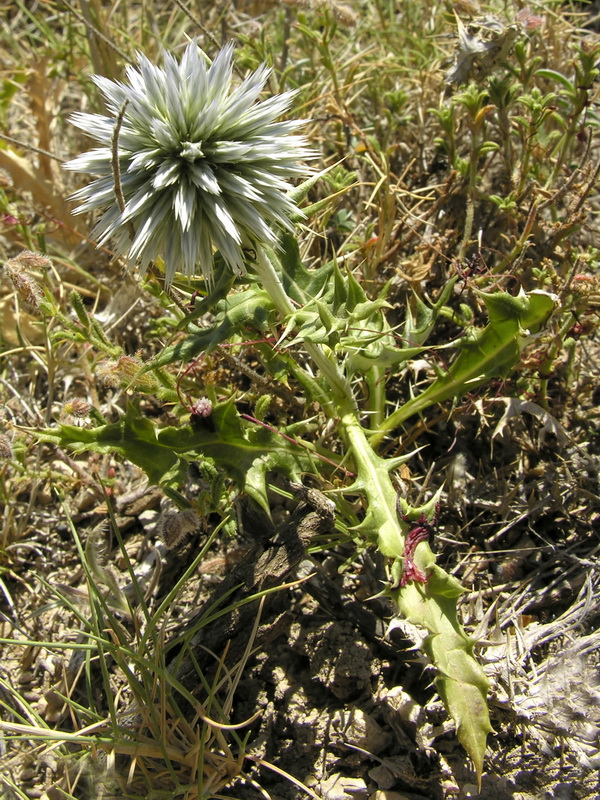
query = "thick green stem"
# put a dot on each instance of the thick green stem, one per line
(271, 282)
(375, 380)
(375, 483)
(373, 472)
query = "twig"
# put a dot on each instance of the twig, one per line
(31, 148)
(96, 32)
(116, 167)
(212, 39)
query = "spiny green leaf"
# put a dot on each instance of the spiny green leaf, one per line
(299, 193)
(339, 301)
(301, 284)
(250, 310)
(364, 357)
(432, 605)
(356, 294)
(467, 706)
(484, 354)
(134, 437)
(421, 318)
(461, 681)
(247, 452)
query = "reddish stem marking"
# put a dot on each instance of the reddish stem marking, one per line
(410, 570)
(420, 533)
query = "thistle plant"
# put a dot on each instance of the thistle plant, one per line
(190, 165)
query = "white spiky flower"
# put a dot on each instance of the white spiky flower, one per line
(203, 166)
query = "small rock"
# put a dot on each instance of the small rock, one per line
(51, 706)
(339, 787)
(358, 728)
(86, 498)
(65, 469)
(148, 520)
(404, 705)
(53, 793)
(282, 684)
(383, 777)
(44, 496)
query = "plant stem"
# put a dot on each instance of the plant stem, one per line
(381, 522)
(430, 600)
(271, 283)
(471, 189)
(375, 482)
(547, 366)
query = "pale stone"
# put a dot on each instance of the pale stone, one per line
(339, 787)
(358, 728)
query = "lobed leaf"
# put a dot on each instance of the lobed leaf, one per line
(246, 452)
(461, 681)
(484, 354)
(249, 310)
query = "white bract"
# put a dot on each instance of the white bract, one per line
(203, 166)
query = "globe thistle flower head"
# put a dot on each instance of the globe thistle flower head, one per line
(203, 165)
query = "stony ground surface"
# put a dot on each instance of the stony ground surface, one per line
(345, 700)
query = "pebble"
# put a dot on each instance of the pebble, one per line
(340, 787)
(358, 728)
(404, 705)
(148, 520)
(87, 498)
(52, 794)
(383, 777)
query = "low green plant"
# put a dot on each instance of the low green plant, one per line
(171, 193)
(292, 313)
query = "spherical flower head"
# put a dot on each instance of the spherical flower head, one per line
(202, 164)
